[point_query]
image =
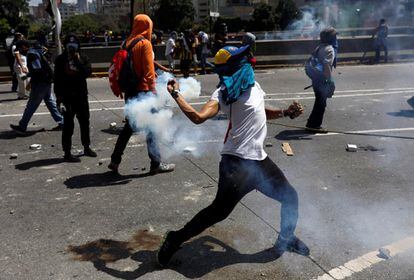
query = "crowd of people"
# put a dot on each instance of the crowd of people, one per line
(244, 165)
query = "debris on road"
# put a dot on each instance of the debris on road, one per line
(100, 162)
(351, 147)
(269, 145)
(13, 156)
(11, 211)
(286, 148)
(112, 125)
(384, 253)
(35, 147)
(143, 169)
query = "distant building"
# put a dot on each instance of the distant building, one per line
(83, 6)
(68, 10)
(92, 7)
(113, 8)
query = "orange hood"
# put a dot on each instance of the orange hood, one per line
(142, 26)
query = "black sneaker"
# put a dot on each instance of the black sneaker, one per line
(316, 129)
(18, 129)
(71, 158)
(114, 167)
(167, 249)
(87, 151)
(163, 168)
(292, 244)
(59, 127)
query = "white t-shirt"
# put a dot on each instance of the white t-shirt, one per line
(248, 124)
(204, 41)
(23, 60)
(169, 48)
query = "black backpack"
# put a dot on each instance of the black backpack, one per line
(128, 80)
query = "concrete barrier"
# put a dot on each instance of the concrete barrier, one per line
(293, 48)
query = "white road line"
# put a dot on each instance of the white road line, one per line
(363, 262)
(267, 99)
(369, 131)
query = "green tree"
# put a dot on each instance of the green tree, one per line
(174, 14)
(13, 11)
(262, 18)
(81, 23)
(285, 13)
(4, 29)
(13, 15)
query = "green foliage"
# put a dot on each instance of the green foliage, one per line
(174, 14)
(262, 18)
(12, 11)
(81, 23)
(285, 13)
(4, 29)
(234, 24)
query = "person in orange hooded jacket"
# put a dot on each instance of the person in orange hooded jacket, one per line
(143, 62)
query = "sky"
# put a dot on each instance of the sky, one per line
(36, 2)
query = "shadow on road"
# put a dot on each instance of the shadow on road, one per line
(402, 113)
(7, 100)
(10, 134)
(196, 259)
(405, 113)
(39, 163)
(112, 131)
(297, 134)
(101, 180)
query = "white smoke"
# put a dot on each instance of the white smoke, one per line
(154, 112)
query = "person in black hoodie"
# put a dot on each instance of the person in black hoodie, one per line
(71, 71)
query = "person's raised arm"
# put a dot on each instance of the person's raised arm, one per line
(209, 110)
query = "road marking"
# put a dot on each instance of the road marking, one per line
(268, 99)
(368, 131)
(363, 262)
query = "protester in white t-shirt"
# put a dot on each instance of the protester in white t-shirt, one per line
(20, 67)
(169, 49)
(205, 51)
(244, 165)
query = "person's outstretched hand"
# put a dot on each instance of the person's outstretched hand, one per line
(172, 85)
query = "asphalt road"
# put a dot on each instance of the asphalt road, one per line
(78, 221)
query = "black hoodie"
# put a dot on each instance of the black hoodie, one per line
(71, 74)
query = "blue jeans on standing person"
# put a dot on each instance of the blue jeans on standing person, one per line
(381, 43)
(126, 133)
(39, 92)
(323, 90)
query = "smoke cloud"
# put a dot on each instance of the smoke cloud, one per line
(154, 112)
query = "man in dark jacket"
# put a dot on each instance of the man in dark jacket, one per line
(41, 75)
(71, 71)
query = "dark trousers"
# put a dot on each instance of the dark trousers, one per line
(238, 177)
(126, 133)
(14, 78)
(78, 107)
(381, 44)
(322, 91)
(121, 143)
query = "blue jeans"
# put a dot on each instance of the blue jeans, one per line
(126, 133)
(322, 91)
(39, 92)
(381, 43)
